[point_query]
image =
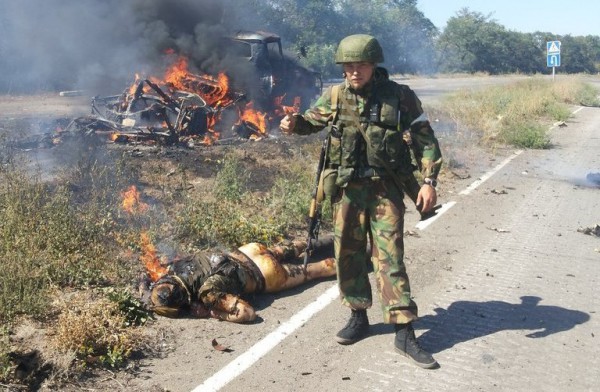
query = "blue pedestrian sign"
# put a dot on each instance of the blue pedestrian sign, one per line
(553, 47)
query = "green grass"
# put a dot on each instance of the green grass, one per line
(232, 214)
(56, 235)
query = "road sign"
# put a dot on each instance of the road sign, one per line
(553, 60)
(553, 47)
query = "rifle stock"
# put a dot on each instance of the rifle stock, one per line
(314, 211)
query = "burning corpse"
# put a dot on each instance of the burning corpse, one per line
(203, 286)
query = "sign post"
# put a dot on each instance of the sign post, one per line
(553, 55)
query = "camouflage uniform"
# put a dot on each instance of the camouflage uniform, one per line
(368, 200)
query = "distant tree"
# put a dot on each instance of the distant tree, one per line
(526, 53)
(593, 45)
(577, 55)
(309, 29)
(473, 42)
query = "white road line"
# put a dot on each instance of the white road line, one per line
(577, 110)
(262, 347)
(489, 174)
(422, 225)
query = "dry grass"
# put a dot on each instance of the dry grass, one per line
(70, 233)
(95, 329)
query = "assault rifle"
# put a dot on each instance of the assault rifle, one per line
(314, 212)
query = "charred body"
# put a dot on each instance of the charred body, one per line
(215, 287)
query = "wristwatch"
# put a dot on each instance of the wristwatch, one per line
(430, 181)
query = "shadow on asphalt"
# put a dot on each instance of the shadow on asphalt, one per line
(466, 320)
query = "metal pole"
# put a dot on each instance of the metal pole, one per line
(553, 69)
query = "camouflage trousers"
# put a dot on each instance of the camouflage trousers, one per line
(372, 210)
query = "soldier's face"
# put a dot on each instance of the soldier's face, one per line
(358, 74)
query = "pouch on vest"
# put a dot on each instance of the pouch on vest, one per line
(344, 175)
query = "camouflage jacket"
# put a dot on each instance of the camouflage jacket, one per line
(386, 110)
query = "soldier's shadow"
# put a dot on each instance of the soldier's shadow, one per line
(467, 320)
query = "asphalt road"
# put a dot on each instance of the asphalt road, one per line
(504, 281)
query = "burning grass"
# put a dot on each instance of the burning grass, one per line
(519, 114)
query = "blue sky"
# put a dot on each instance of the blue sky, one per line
(575, 17)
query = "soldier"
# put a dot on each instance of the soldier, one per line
(211, 287)
(370, 160)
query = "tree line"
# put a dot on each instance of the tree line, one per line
(470, 42)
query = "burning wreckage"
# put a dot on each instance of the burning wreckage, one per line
(182, 108)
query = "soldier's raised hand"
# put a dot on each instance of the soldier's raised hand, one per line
(287, 124)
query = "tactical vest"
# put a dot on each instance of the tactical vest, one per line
(191, 271)
(381, 118)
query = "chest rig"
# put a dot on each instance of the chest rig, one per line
(369, 142)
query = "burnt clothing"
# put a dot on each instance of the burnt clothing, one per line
(233, 275)
(206, 283)
(191, 272)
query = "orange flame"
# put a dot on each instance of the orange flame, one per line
(133, 86)
(213, 90)
(131, 201)
(254, 117)
(150, 259)
(282, 110)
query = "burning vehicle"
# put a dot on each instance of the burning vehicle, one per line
(190, 108)
(283, 80)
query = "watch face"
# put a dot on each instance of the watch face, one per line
(431, 182)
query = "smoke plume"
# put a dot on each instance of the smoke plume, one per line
(100, 45)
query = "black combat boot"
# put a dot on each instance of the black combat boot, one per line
(407, 345)
(356, 328)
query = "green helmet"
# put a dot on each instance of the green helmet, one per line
(359, 47)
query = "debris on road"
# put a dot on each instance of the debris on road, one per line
(590, 230)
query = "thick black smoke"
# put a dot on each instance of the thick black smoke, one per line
(99, 45)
